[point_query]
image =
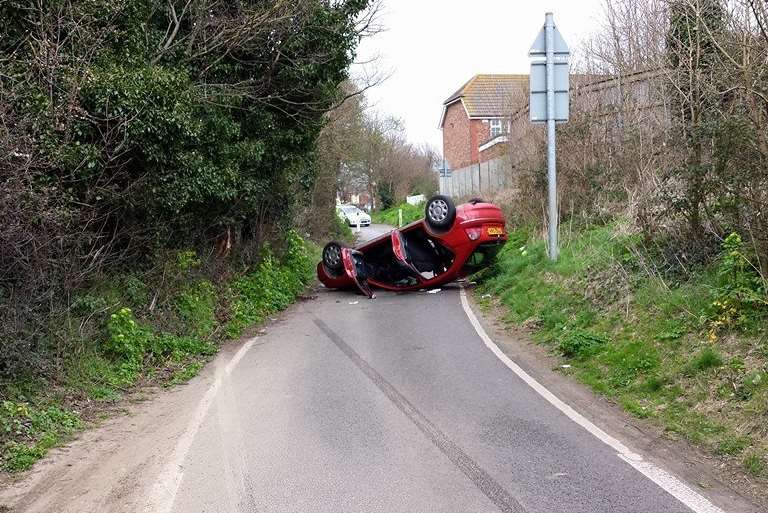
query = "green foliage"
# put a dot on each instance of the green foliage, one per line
(270, 287)
(644, 341)
(187, 260)
(186, 373)
(755, 464)
(40, 428)
(751, 383)
(131, 342)
(734, 445)
(196, 305)
(341, 231)
(143, 141)
(128, 339)
(580, 342)
(708, 358)
(741, 280)
(134, 348)
(390, 216)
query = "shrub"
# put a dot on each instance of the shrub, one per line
(128, 339)
(271, 286)
(196, 306)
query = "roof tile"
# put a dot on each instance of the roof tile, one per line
(490, 95)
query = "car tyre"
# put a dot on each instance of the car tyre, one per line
(332, 256)
(440, 212)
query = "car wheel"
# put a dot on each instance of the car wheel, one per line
(332, 256)
(440, 212)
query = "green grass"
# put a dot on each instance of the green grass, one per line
(664, 348)
(32, 430)
(130, 344)
(185, 373)
(755, 465)
(390, 216)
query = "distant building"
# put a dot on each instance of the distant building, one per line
(475, 118)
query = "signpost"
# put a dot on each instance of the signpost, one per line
(445, 179)
(549, 104)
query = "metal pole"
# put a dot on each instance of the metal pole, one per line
(549, 27)
(480, 178)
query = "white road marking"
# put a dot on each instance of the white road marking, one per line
(163, 494)
(669, 483)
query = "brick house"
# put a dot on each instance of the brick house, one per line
(475, 118)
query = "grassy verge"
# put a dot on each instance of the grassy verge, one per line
(689, 352)
(390, 216)
(128, 331)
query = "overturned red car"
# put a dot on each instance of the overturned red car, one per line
(449, 243)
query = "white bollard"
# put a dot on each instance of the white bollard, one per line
(399, 217)
(357, 230)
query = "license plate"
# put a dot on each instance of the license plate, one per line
(495, 230)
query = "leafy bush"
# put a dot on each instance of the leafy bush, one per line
(128, 340)
(131, 145)
(271, 286)
(196, 305)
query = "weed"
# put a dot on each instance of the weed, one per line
(635, 408)
(750, 384)
(41, 428)
(708, 358)
(187, 260)
(196, 306)
(733, 445)
(654, 384)
(128, 339)
(271, 286)
(630, 361)
(754, 464)
(186, 373)
(580, 343)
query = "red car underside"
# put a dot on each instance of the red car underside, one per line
(416, 257)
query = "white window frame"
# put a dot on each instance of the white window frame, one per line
(496, 127)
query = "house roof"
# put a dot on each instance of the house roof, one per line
(487, 96)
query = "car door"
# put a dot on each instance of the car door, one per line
(400, 250)
(356, 268)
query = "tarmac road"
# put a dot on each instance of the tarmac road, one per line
(370, 232)
(349, 405)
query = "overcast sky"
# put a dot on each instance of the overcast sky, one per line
(432, 47)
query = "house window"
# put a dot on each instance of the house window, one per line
(496, 128)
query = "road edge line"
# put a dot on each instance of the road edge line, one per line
(163, 494)
(663, 479)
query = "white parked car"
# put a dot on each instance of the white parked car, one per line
(351, 215)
